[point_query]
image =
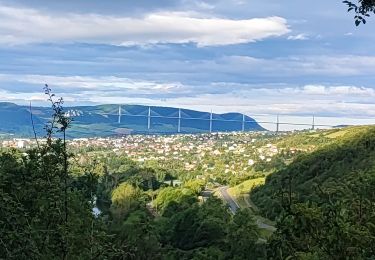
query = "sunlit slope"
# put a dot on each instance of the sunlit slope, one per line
(346, 164)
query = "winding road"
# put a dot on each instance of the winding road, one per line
(233, 206)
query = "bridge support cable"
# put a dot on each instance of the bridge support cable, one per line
(179, 121)
(277, 125)
(211, 122)
(119, 114)
(243, 122)
(313, 123)
(149, 119)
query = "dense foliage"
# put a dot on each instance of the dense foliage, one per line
(324, 201)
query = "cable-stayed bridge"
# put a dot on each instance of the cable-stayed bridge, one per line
(114, 120)
(181, 120)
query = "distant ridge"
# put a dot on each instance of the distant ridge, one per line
(103, 120)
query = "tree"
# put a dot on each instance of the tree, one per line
(197, 186)
(243, 235)
(327, 231)
(124, 198)
(362, 10)
(197, 227)
(170, 200)
(139, 233)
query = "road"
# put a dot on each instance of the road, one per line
(233, 206)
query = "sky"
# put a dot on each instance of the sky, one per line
(291, 57)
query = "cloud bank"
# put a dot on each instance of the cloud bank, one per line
(329, 100)
(27, 25)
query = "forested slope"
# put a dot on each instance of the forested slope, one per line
(341, 168)
(324, 202)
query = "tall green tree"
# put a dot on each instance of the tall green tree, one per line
(243, 235)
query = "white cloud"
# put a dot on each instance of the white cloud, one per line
(337, 90)
(81, 83)
(298, 37)
(26, 25)
(202, 5)
(340, 100)
(336, 65)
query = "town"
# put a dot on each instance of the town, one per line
(219, 156)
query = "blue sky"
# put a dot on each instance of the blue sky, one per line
(255, 56)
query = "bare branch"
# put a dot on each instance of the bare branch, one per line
(32, 123)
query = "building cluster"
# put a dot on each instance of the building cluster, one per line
(233, 153)
(18, 143)
(227, 153)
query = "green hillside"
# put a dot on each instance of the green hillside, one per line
(324, 202)
(340, 167)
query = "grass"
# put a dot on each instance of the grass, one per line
(339, 133)
(265, 220)
(241, 201)
(245, 187)
(265, 233)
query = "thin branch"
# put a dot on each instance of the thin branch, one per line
(32, 123)
(59, 124)
(6, 249)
